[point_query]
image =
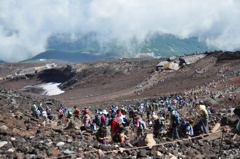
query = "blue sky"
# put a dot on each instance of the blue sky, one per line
(26, 25)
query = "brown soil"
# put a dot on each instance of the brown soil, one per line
(96, 83)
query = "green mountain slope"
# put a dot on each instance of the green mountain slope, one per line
(169, 45)
(89, 47)
(68, 56)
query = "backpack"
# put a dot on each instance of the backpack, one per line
(66, 111)
(184, 125)
(118, 123)
(97, 119)
(116, 128)
(61, 114)
(186, 128)
(189, 130)
(176, 118)
(77, 111)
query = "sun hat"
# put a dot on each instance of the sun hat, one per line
(104, 112)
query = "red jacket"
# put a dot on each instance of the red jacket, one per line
(114, 124)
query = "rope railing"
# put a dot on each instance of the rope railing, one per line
(136, 148)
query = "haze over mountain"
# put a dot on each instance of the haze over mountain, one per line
(27, 26)
(89, 48)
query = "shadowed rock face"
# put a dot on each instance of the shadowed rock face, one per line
(221, 56)
(56, 75)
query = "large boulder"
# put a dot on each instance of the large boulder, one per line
(3, 128)
(147, 141)
(210, 102)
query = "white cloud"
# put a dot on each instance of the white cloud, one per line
(25, 25)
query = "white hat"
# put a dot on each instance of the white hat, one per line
(104, 112)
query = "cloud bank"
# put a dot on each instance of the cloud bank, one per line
(26, 25)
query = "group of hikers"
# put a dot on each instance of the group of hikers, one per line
(39, 111)
(151, 116)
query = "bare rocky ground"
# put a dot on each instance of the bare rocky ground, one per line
(103, 83)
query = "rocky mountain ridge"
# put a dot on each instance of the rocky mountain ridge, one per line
(121, 82)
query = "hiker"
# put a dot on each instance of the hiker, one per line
(44, 114)
(140, 124)
(204, 118)
(112, 116)
(38, 113)
(96, 122)
(86, 119)
(34, 109)
(98, 119)
(132, 114)
(102, 134)
(61, 113)
(189, 128)
(157, 125)
(114, 109)
(116, 126)
(141, 109)
(76, 112)
(121, 117)
(49, 113)
(104, 117)
(168, 102)
(174, 122)
(40, 108)
(151, 107)
(68, 113)
(186, 128)
(163, 112)
(124, 110)
(156, 105)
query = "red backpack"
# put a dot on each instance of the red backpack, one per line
(61, 114)
(78, 111)
(116, 124)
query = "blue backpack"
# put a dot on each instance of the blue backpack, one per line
(184, 126)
